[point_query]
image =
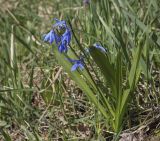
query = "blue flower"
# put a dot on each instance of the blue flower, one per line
(66, 37)
(98, 46)
(62, 48)
(60, 24)
(51, 37)
(77, 64)
(65, 41)
(62, 39)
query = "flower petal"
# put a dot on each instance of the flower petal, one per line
(62, 48)
(81, 66)
(71, 60)
(98, 46)
(66, 37)
(59, 23)
(74, 67)
(49, 37)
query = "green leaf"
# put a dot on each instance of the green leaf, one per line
(135, 62)
(103, 62)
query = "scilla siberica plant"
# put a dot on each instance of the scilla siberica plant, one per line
(112, 96)
(61, 35)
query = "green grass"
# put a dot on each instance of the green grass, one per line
(40, 100)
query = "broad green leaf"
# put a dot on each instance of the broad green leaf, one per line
(102, 61)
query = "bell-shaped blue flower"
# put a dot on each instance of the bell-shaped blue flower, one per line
(65, 41)
(77, 64)
(51, 37)
(62, 48)
(98, 46)
(66, 37)
(62, 40)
